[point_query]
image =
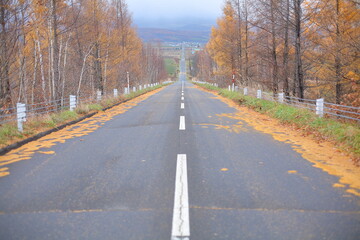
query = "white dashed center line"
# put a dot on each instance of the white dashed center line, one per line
(182, 106)
(181, 223)
(182, 123)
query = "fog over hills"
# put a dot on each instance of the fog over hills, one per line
(174, 30)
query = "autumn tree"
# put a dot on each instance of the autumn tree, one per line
(224, 43)
(53, 48)
(334, 33)
(7, 40)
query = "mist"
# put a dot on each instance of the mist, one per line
(175, 14)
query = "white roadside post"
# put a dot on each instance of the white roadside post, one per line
(259, 94)
(281, 98)
(125, 91)
(21, 115)
(140, 87)
(98, 95)
(245, 91)
(134, 89)
(229, 88)
(72, 102)
(320, 107)
(115, 92)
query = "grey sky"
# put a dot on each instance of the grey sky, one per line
(175, 9)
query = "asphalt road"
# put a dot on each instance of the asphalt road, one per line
(125, 180)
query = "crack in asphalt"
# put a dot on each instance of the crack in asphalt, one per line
(181, 194)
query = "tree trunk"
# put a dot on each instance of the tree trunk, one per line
(82, 71)
(63, 79)
(239, 42)
(286, 50)
(54, 51)
(299, 75)
(338, 74)
(43, 83)
(273, 49)
(246, 64)
(34, 74)
(98, 69)
(5, 92)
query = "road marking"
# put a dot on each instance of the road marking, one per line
(182, 94)
(182, 105)
(182, 98)
(181, 223)
(182, 123)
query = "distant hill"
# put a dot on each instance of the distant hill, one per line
(172, 35)
(175, 30)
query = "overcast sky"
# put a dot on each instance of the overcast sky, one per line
(175, 9)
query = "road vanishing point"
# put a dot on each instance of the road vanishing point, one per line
(177, 163)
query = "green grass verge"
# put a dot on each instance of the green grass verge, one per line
(171, 66)
(140, 92)
(347, 134)
(9, 131)
(10, 134)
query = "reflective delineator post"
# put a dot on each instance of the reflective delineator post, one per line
(72, 102)
(281, 97)
(259, 94)
(98, 95)
(21, 115)
(245, 91)
(115, 92)
(320, 107)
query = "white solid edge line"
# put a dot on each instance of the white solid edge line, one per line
(181, 223)
(182, 105)
(182, 123)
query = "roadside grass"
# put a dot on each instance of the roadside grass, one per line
(140, 92)
(346, 134)
(9, 133)
(171, 66)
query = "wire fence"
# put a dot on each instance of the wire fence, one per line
(37, 109)
(319, 106)
(47, 107)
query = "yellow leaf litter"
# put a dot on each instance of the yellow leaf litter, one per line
(77, 130)
(325, 156)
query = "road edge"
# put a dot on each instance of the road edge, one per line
(16, 145)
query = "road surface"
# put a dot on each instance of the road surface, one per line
(170, 167)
